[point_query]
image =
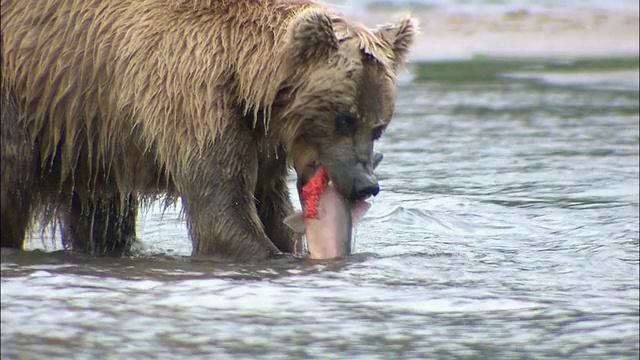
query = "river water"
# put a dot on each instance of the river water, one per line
(506, 227)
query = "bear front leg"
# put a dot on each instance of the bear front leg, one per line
(274, 205)
(19, 171)
(217, 190)
(101, 226)
(15, 214)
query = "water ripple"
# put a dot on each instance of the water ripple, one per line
(506, 228)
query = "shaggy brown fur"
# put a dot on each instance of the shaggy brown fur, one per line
(105, 101)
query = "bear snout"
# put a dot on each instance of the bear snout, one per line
(365, 186)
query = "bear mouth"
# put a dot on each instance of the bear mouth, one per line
(311, 190)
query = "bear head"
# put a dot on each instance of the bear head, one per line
(341, 96)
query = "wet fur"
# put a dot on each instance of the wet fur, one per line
(106, 103)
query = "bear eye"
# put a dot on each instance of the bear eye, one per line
(346, 123)
(377, 132)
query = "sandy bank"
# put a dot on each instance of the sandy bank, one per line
(575, 34)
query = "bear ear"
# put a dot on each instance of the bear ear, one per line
(311, 35)
(400, 36)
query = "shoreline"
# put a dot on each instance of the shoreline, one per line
(587, 34)
(517, 34)
(621, 79)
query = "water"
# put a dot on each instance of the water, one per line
(506, 227)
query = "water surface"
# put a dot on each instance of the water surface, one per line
(506, 227)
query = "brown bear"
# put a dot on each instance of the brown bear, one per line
(107, 103)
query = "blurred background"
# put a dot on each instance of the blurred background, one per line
(461, 29)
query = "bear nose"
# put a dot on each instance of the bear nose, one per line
(366, 186)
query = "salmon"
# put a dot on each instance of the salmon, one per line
(328, 218)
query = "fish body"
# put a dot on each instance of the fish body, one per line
(327, 218)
